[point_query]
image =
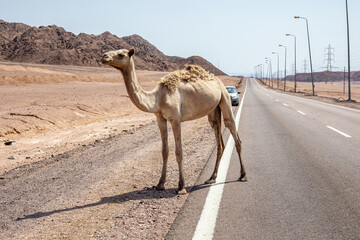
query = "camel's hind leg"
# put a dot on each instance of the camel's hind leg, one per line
(215, 122)
(162, 123)
(225, 105)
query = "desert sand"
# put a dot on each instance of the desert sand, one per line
(84, 158)
(49, 109)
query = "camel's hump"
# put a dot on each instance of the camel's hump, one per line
(189, 73)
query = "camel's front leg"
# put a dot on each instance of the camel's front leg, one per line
(162, 123)
(176, 126)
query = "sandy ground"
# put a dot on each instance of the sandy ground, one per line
(84, 158)
(79, 106)
(102, 190)
(47, 119)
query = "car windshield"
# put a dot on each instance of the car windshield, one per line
(231, 90)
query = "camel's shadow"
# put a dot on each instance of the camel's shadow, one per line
(146, 193)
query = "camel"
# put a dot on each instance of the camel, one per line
(178, 101)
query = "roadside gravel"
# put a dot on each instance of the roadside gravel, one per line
(102, 190)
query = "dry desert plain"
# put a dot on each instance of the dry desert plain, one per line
(48, 109)
(332, 92)
(84, 157)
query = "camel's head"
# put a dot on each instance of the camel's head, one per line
(119, 59)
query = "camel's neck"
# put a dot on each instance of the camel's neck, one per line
(144, 100)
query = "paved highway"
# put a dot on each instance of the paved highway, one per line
(303, 163)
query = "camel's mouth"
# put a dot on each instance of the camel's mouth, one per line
(106, 59)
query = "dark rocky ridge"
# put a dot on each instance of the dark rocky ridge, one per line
(325, 76)
(55, 45)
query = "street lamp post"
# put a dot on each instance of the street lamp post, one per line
(294, 57)
(258, 71)
(270, 72)
(348, 43)
(267, 71)
(277, 77)
(271, 76)
(285, 66)
(312, 78)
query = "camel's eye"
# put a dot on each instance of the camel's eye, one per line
(121, 55)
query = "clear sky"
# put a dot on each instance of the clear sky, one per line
(235, 35)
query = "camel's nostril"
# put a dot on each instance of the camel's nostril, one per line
(105, 58)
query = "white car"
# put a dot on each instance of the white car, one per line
(234, 95)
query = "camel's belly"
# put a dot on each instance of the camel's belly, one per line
(190, 101)
(198, 100)
(187, 116)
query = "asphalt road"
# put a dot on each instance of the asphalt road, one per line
(303, 164)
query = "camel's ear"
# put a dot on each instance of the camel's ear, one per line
(131, 52)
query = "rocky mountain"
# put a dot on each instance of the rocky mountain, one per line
(55, 45)
(8, 31)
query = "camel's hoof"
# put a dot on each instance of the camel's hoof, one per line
(243, 178)
(210, 181)
(181, 192)
(159, 188)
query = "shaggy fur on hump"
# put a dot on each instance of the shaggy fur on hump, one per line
(191, 73)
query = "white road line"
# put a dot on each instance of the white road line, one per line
(271, 97)
(285, 105)
(277, 100)
(206, 225)
(338, 131)
(301, 112)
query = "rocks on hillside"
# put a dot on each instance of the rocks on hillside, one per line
(54, 45)
(325, 76)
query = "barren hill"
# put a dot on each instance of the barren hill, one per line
(325, 76)
(55, 45)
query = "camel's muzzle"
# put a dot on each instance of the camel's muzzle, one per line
(106, 59)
